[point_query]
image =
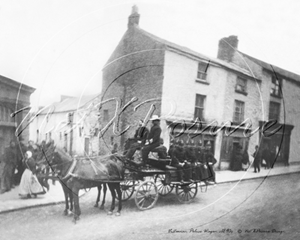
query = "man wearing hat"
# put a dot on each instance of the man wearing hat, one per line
(175, 153)
(210, 160)
(140, 137)
(153, 139)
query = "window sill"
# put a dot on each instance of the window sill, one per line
(241, 92)
(276, 96)
(202, 81)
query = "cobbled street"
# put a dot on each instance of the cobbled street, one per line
(253, 209)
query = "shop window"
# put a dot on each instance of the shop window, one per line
(239, 109)
(199, 107)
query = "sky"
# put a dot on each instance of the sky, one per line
(60, 47)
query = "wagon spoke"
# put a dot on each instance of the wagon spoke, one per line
(142, 200)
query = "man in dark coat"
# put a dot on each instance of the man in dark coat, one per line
(201, 163)
(183, 163)
(191, 166)
(153, 139)
(177, 156)
(138, 140)
(9, 165)
(161, 150)
(210, 161)
(257, 159)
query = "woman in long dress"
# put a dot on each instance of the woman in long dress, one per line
(29, 184)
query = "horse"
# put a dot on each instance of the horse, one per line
(98, 196)
(76, 174)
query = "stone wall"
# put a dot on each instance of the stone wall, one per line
(135, 70)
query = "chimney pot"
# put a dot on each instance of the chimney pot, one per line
(134, 18)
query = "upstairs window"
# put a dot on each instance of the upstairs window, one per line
(274, 111)
(241, 85)
(239, 109)
(199, 106)
(202, 70)
(275, 87)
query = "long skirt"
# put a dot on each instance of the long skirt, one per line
(29, 184)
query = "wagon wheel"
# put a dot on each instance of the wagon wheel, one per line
(186, 192)
(127, 188)
(162, 186)
(146, 195)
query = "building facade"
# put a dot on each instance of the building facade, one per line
(14, 97)
(195, 95)
(72, 124)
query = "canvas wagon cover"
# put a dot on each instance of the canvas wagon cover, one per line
(99, 169)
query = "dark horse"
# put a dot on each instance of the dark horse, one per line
(87, 173)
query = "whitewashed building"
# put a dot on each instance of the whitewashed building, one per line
(185, 86)
(71, 123)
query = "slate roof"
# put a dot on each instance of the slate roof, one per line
(188, 51)
(273, 68)
(70, 104)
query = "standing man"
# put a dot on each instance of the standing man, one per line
(152, 139)
(210, 161)
(257, 159)
(10, 164)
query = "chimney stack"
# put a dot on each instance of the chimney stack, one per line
(134, 17)
(227, 48)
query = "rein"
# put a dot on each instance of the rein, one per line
(70, 170)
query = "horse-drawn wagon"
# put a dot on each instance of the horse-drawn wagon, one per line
(157, 178)
(124, 177)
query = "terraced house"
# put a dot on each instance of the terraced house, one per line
(14, 96)
(196, 95)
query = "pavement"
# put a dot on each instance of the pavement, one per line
(10, 201)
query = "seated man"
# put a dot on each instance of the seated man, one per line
(152, 139)
(203, 169)
(161, 150)
(139, 139)
(191, 157)
(175, 154)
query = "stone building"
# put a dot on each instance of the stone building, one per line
(71, 123)
(195, 95)
(280, 96)
(14, 96)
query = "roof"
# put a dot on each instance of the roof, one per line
(185, 50)
(273, 68)
(16, 84)
(70, 104)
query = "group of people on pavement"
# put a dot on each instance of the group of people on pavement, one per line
(18, 166)
(240, 159)
(262, 158)
(192, 161)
